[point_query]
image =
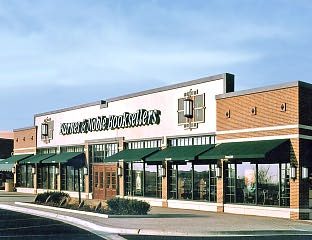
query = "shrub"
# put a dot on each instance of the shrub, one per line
(122, 206)
(42, 197)
(53, 198)
(57, 197)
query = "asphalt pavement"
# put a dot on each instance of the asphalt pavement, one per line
(163, 222)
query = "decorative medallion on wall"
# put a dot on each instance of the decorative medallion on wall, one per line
(47, 128)
(191, 109)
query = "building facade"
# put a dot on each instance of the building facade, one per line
(196, 145)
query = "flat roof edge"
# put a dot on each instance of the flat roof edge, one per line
(24, 128)
(265, 89)
(174, 86)
(68, 109)
(226, 76)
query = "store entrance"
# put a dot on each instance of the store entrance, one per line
(104, 181)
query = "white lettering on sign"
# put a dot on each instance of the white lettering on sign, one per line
(141, 117)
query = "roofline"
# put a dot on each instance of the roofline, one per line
(24, 128)
(228, 87)
(265, 89)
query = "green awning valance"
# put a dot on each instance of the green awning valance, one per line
(76, 159)
(131, 155)
(267, 149)
(180, 153)
(16, 158)
(36, 158)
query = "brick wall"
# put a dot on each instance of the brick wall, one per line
(268, 110)
(25, 141)
(235, 113)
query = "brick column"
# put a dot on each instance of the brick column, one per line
(35, 178)
(299, 188)
(220, 188)
(87, 176)
(121, 180)
(58, 178)
(164, 182)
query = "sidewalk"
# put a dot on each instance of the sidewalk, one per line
(166, 221)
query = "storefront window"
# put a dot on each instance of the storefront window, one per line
(151, 181)
(246, 183)
(98, 152)
(47, 177)
(268, 184)
(142, 180)
(205, 181)
(144, 144)
(52, 177)
(23, 175)
(259, 184)
(230, 176)
(138, 179)
(188, 141)
(285, 185)
(128, 179)
(172, 179)
(69, 179)
(185, 181)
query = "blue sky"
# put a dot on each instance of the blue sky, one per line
(56, 54)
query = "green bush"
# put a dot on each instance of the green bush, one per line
(57, 197)
(42, 197)
(53, 198)
(122, 206)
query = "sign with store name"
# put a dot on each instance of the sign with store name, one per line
(141, 117)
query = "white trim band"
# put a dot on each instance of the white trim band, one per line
(265, 129)
(264, 138)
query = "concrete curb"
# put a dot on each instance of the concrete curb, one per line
(100, 215)
(71, 220)
(102, 230)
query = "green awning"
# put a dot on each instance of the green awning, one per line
(267, 149)
(5, 167)
(179, 153)
(130, 155)
(76, 159)
(36, 158)
(16, 158)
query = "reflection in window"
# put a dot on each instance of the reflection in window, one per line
(260, 184)
(47, 179)
(230, 177)
(143, 180)
(69, 178)
(151, 181)
(196, 182)
(246, 183)
(268, 184)
(185, 181)
(138, 180)
(205, 183)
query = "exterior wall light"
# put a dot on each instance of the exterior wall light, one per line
(162, 171)
(44, 129)
(188, 108)
(13, 170)
(218, 172)
(85, 171)
(119, 171)
(33, 170)
(293, 172)
(57, 171)
(305, 173)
